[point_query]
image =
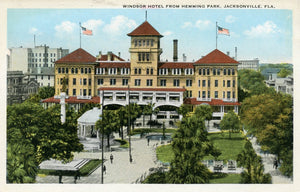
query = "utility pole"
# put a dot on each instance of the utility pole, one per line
(102, 138)
(129, 130)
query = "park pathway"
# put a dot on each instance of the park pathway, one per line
(120, 171)
(268, 159)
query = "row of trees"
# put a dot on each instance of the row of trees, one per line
(268, 115)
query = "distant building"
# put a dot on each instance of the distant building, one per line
(37, 62)
(283, 85)
(270, 73)
(19, 87)
(249, 64)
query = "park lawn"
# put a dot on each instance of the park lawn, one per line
(230, 147)
(225, 178)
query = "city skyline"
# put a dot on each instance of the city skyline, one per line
(263, 34)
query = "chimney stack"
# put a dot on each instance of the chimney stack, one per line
(109, 56)
(175, 50)
(228, 53)
(184, 57)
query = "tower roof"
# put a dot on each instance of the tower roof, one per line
(78, 56)
(145, 29)
(216, 56)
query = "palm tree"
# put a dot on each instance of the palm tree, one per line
(150, 110)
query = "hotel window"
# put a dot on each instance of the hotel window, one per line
(85, 70)
(100, 81)
(124, 82)
(90, 70)
(137, 82)
(152, 42)
(163, 82)
(148, 43)
(233, 83)
(189, 93)
(124, 71)
(199, 94)
(112, 71)
(74, 81)
(176, 83)
(229, 70)
(223, 83)
(219, 71)
(140, 70)
(199, 83)
(223, 94)
(224, 71)
(208, 94)
(90, 82)
(42, 77)
(189, 82)
(140, 43)
(135, 43)
(90, 92)
(233, 72)
(233, 94)
(176, 71)
(200, 71)
(151, 71)
(214, 71)
(188, 71)
(144, 43)
(135, 71)
(62, 70)
(80, 82)
(74, 92)
(84, 92)
(72, 70)
(216, 94)
(228, 83)
(48, 77)
(228, 94)
(203, 83)
(81, 70)
(148, 71)
(204, 71)
(163, 71)
(112, 81)
(203, 94)
(84, 81)
(208, 83)
(149, 82)
(67, 70)
(216, 83)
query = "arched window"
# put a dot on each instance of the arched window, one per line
(224, 71)
(200, 71)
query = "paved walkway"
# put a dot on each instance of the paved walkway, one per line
(121, 171)
(268, 159)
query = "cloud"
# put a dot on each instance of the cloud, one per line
(187, 25)
(167, 33)
(119, 24)
(66, 27)
(93, 24)
(33, 30)
(230, 19)
(202, 24)
(262, 30)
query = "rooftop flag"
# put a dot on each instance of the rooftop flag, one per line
(86, 31)
(223, 31)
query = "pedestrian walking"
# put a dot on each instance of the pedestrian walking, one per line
(148, 140)
(104, 169)
(111, 158)
(275, 164)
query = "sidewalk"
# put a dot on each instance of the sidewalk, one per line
(268, 159)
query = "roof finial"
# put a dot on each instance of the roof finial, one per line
(146, 16)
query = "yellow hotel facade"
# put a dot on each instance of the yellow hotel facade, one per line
(145, 79)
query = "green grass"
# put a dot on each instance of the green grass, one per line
(220, 178)
(84, 170)
(230, 148)
(123, 143)
(164, 153)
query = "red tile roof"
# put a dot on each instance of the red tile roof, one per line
(78, 56)
(114, 64)
(213, 102)
(73, 100)
(175, 65)
(142, 89)
(113, 57)
(216, 56)
(145, 29)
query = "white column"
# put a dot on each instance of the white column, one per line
(62, 107)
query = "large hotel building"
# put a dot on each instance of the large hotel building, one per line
(145, 79)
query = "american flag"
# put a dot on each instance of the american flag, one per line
(223, 31)
(86, 31)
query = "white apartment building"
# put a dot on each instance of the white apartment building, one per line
(249, 64)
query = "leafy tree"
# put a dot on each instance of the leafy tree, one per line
(21, 163)
(108, 123)
(284, 72)
(184, 110)
(122, 122)
(253, 167)
(204, 111)
(190, 145)
(230, 122)
(46, 92)
(150, 110)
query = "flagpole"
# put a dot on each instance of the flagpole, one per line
(79, 35)
(216, 35)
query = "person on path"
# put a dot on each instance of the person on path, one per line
(111, 158)
(148, 140)
(104, 169)
(275, 164)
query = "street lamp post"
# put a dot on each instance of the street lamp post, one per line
(129, 130)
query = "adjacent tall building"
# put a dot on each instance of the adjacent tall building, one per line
(145, 79)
